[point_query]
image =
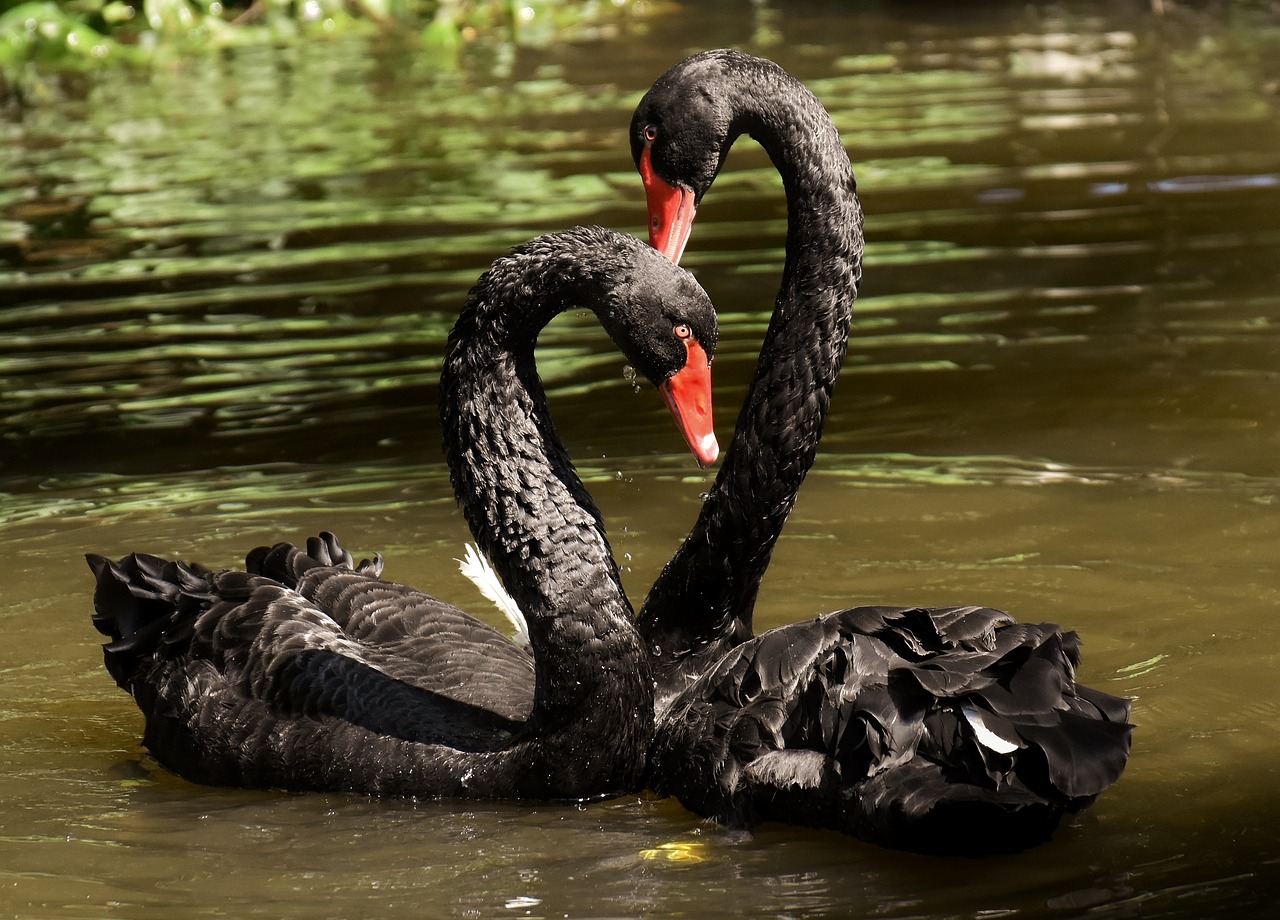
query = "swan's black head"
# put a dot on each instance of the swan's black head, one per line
(681, 133)
(663, 321)
(655, 312)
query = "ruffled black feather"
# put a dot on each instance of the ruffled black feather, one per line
(953, 730)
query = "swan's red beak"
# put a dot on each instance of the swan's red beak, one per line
(687, 394)
(671, 212)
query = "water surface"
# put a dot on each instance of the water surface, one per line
(223, 298)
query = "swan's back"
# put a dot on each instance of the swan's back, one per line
(323, 677)
(436, 646)
(950, 730)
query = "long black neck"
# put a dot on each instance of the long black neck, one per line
(529, 511)
(702, 603)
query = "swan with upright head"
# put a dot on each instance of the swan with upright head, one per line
(324, 679)
(953, 730)
(701, 605)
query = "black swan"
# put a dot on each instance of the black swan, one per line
(950, 730)
(321, 680)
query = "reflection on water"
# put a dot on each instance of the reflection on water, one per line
(223, 296)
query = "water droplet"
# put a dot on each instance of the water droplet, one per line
(657, 651)
(704, 496)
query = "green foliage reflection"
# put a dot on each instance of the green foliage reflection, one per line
(86, 34)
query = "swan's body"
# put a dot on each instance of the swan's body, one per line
(308, 672)
(950, 730)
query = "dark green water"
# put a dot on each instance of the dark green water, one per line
(223, 294)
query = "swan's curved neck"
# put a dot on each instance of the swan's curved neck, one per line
(703, 601)
(527, 508)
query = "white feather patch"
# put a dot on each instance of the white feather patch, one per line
(477, 569)
(797, 769)
(986, 737)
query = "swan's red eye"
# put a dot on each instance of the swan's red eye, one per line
(650, 133)
(683, 331)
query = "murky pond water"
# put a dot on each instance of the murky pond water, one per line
(222, 303)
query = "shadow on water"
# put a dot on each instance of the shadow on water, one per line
(224, 291)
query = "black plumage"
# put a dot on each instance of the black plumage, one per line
(307, 672)
(951, 730)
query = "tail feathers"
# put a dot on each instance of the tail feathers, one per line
(286, 563)
(142, 601)
(146, 604)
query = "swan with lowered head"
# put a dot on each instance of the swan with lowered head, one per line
(324, 680)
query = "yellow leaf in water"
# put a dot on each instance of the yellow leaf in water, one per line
(690, 852)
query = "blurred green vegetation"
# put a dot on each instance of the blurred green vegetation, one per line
(71, 35)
